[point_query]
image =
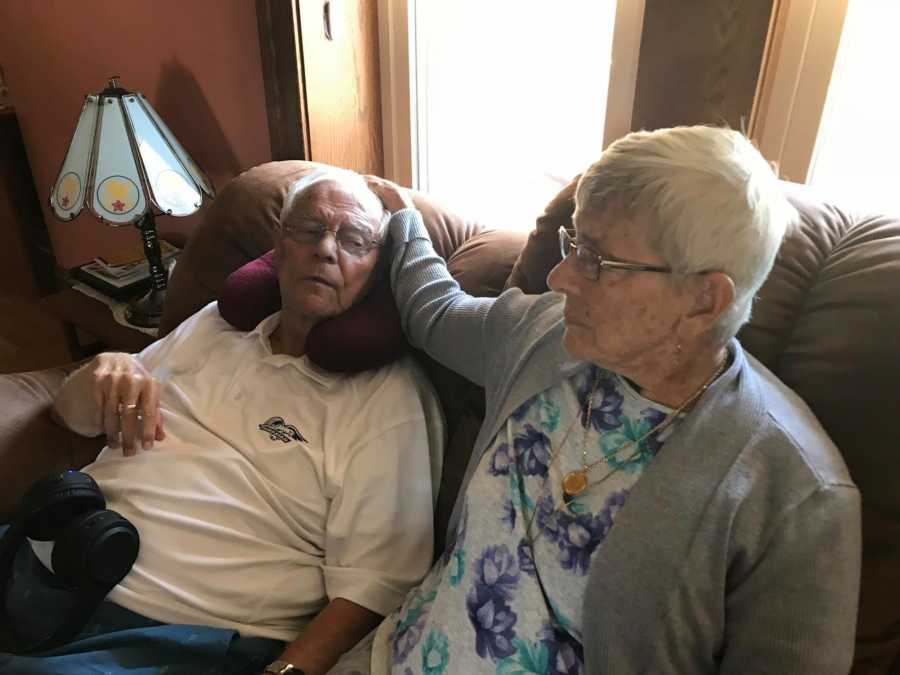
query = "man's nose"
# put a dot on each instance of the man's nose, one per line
(327, 246)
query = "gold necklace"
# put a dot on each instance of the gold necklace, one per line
(575, 482)
(567, 498)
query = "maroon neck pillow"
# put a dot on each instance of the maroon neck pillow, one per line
(366, 336)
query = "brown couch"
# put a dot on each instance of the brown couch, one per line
(827, 322)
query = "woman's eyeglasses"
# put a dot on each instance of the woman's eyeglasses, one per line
(590, 264)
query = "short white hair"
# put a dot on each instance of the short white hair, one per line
(350, 180)
(714, 200)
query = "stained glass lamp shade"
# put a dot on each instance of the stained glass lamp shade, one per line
(126, 167)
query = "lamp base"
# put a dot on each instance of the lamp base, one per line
(146, 311)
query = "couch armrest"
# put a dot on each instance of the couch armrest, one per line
(32, 445)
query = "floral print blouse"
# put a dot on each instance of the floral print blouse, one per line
(507, 598)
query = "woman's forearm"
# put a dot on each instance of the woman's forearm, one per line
(437, 315)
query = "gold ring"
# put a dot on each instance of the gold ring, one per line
(124, 407)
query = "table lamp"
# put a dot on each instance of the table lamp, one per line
(127, 167)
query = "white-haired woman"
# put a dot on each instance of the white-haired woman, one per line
(643, 496)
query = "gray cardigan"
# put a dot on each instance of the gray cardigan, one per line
(739, 548)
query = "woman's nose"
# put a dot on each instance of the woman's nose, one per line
(560, 277)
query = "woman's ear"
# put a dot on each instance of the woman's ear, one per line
(713, 294)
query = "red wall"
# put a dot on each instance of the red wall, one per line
(196, 61)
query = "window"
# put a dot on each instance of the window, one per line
(506, 100)
(858, 143)
(828, 112)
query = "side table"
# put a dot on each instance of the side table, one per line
(84, 316)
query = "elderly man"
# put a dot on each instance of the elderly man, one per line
(267, 493)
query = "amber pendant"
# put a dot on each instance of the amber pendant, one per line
(574, 483)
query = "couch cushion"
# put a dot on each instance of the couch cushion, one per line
(541, 252)
(32, 445)
(483, 264)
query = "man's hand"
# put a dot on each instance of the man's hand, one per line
(394, 197)
(125, 399)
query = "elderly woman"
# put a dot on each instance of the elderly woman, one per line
(644, 496)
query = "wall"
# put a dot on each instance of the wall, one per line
(197, 62)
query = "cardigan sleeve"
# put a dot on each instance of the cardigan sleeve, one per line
(465, 333)
(795, 611)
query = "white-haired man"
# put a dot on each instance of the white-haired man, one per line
(274, 501)
(644, 496)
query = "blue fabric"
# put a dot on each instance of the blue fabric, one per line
(116, 640)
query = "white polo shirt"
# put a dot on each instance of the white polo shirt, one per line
(279, 486)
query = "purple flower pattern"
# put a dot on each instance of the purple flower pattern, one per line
(498, 569)
(519, 413)
(487, 602)
(509, 515)
(493, 621)
(501, 459)
(532, 448)
(653, 417)
(546, 519)
(606, 408)
(577, 535)
(565, 654)
(526, 558)
(412, 623)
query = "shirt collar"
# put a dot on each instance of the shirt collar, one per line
(263, 333)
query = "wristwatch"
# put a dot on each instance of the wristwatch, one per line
(283, 668)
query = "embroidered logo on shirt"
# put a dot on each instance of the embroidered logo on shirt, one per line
(279, 430)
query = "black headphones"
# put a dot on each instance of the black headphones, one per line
(94, 549)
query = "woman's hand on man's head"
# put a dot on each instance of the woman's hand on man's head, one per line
(394, 197)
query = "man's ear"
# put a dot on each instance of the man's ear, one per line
(713, 294)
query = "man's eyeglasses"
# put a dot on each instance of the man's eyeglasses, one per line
(590, 264)
(350, 240)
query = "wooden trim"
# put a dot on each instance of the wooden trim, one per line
(397, 89)
(282, 65)
(774, 38)
(342, 83)
(699, 62)
(804, 42)
(626, 49)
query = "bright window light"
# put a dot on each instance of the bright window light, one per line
(855, 160)
(511, 101)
